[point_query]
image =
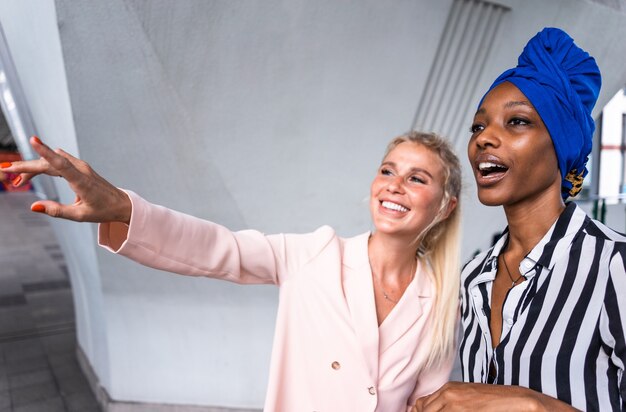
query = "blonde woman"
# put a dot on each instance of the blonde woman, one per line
(364, 323)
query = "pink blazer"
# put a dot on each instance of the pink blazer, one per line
(329, 354)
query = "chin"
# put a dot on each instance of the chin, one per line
(385, 227)
(490, 202)
(490, 199)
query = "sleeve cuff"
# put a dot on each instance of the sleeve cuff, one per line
(114, 235)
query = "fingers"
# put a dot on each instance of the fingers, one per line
(419, 405)
(76, 162)
(434, 401)
(12, 169)
(55, 209)
(60, 162)
(52, 162)
(22, 179)
(26, 167)
(97, 200)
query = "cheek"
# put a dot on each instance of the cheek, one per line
(429, 201)
(471, 147)
(542, 161)
(374, 187)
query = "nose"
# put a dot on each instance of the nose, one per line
(396, 184)
(488, 137)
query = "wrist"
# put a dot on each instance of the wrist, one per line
(126, 208)
(532, 404)
(538, 402)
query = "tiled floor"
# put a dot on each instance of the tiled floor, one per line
(38, 367)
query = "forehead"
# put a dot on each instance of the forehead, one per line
(415, 155)
(504, 95)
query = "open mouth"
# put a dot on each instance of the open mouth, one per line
(394, 206)
(490, 169)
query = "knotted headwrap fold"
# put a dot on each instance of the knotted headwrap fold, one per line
(562, 82)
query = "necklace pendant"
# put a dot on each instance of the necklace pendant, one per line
(388, 298)
(512, 284)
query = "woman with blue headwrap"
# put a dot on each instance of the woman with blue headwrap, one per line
(544, 310)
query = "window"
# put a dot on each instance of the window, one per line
(612, 156)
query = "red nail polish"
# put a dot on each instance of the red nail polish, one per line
(17, 181)
(37, 140)
(4, 165)
(38, 208)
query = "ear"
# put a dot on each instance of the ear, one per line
(450, 207)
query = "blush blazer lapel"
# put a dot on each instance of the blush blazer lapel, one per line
(408, 310)
(359, 292)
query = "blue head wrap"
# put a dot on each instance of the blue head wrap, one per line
(562, 82)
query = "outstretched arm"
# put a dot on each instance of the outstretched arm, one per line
(458, 396)
(97, 200)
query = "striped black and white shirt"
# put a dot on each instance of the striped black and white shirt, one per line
(563, 328)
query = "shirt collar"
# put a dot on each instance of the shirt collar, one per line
(560, 236)
(554, 243)
(355, 251)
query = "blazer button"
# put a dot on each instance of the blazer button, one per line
(371, 390)
(335, 365)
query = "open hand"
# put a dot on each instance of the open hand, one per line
(97, 200)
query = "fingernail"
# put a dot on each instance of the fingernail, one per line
(38, 208)
(37, 140)
(4, 165)
(17, 181)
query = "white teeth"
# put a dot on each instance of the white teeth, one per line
(394, 206)
(488, 165)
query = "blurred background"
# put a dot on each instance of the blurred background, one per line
(270, 115)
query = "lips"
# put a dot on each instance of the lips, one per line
(489, 169)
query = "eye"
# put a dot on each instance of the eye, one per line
(385, 172)
(519, 121)
(476, 127)
(416, 179)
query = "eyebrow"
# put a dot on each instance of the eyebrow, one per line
(508, 105)
(412, 170)
(517, 103)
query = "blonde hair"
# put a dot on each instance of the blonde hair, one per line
(440, 246)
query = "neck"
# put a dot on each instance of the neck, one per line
(529, 221)
(391, 257)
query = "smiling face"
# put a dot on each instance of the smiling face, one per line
(510, 150)
(407, 192)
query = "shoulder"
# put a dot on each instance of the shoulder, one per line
(612, 242)
(474, 266)
(307, 246)
(319, 237)
(607, 245)
(601, 231)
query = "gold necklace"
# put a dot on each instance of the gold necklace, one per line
(385, 294)
(513, 282)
